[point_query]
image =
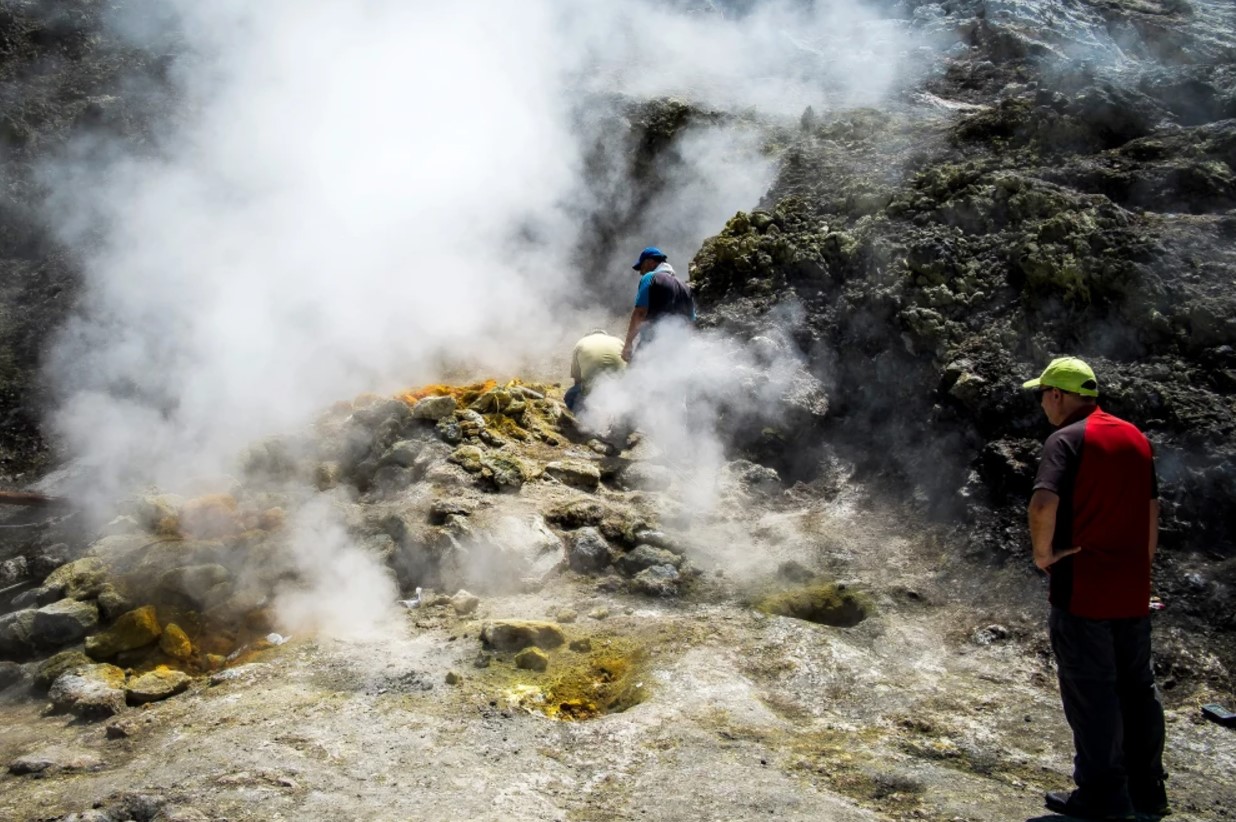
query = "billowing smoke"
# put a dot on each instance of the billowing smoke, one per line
(354, 197)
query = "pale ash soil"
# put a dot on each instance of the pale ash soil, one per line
(743, 716)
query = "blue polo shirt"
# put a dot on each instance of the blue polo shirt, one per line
(661, 292)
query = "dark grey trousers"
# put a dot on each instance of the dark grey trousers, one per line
(1111, 702)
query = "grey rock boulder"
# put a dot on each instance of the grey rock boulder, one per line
(645, 556)
(15, 632)
(587, 551)
(11, 674)
(54, 760)
(402, 454)
(657, 581)
(156, 685)
(63, 622)
(13, 570)
(575, 473)
(517, 634)
(82, 578)
(91, 692)
(50, 669)
(434, 408)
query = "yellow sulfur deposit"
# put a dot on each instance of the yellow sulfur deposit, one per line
(578, 685)
(175, 642)
(135, 629)
(823, 603)
(463, 394)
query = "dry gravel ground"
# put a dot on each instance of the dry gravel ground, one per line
(908, 715)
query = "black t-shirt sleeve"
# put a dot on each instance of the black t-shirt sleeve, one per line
(1061, 453)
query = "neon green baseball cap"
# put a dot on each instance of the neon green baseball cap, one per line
(1068, 374)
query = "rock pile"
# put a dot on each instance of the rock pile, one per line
(475, 486)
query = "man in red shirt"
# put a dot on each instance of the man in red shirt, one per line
(1094, 524)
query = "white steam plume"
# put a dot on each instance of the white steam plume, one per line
(338, 589)
(354, 193)
(359, 190)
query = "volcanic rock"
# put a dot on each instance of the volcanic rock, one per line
(402, 454)
(445, 507)
(95, 690)
(50, 669)
(532, 659)
(175, 643)
(464, 603)
(112, 603)
(15, 632)
(80, 579)
(755, 478)
(506, 471)
(658, 539)
(52, 760)
(645, 556)
(11, 674)
(135, 629)
(156, 685)
(434, 408)
(468, 457)
(156, 514)
(210, 517)
(13, 570)
(587, 551)
(576, 513)
(517, 634)
(657, 581)
(646, 476)
(118, 552)
(179, 813)
(583, 475)
(204, 585)
(63, 622)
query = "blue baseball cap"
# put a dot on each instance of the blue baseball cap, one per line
(649, 253)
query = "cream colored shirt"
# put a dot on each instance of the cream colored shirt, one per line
(597, 354)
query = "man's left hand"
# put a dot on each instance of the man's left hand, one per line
(1057, 556)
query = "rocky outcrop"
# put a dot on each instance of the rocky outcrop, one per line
(62, 71)
(1067, 207)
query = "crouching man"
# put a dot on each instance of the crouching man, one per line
(1094, 524)
(594, 355)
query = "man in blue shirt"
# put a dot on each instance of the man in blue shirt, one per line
(661, 295)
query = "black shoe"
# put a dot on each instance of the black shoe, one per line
(1069, 804)
(1151, 800)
